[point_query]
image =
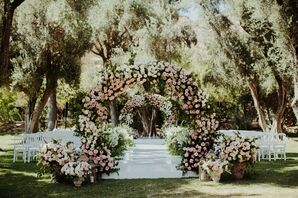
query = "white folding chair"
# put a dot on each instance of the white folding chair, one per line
(19, 147)
(35, 143)
(279, 146)
(264, 143)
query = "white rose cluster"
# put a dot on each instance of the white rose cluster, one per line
(76, 169)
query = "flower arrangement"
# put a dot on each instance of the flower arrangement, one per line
(216, 166)
(197, 147)
(101, 158)
(79, 169)
(179, 86)
(53, 156)
(238, 149)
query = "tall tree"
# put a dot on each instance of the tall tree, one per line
(250, 46)
(289, 12)
(58, 47)
(7, 19)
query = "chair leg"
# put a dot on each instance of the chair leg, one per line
(14, 156)
(25, 156)
(29, 156)
(269, 153)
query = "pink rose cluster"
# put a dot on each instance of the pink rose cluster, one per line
(101, 158)
(238, 149)
(197, 147)
(56, 154)
(93, 107)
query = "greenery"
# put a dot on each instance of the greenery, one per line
(274, 179)
(176, 138)
(242, 52)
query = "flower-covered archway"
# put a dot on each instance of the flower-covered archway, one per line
(174, 82)
(141, 101)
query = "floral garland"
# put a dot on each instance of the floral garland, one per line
(141, 100)
(178, 85)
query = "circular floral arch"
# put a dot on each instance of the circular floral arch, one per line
(175, 82)
(141, 100)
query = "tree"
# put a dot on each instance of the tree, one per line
(289, 12)
(6, 26)
(250, 46)
(57, 47)
(114, 32)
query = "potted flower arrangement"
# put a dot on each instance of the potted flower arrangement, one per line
(215, 167)
(239, 151)
(53, 156)
(78, 171)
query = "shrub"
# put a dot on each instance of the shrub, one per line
(176, 138)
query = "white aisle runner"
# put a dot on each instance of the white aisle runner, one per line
(149, 158)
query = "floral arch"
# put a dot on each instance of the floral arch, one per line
(175, 82)
(139, 101)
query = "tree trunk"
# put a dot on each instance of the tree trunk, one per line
(114, 113)
(9, 9)
(152, 130)
(50, 85)
(28, 113)
(264, 124)
(282, 103)
(144, 119)
(52, 117)
(294, 103)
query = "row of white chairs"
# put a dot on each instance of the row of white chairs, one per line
(271, 144)
(30, 144)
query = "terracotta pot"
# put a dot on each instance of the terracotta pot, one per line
(203, 175)
(78, 181)
(238, 170)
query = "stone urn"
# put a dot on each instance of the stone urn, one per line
(203, 175)
(215, 176)
(78, 181)
(238, 170)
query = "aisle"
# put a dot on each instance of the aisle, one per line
(149, 158)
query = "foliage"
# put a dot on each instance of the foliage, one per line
(9, 110)
(176, 138)
(119, 138)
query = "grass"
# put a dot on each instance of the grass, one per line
(271, 179)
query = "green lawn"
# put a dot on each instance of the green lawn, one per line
(272, 179)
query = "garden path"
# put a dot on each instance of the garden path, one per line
(148, 158)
